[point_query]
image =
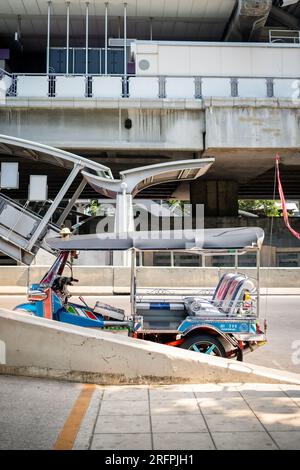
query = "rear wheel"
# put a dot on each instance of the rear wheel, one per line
(206, 344)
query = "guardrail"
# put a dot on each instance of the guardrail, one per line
(147, 86)
(284, 36)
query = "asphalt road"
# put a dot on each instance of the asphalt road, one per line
(283, 315)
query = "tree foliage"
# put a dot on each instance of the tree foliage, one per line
(264, 207)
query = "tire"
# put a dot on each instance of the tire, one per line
(203, 343)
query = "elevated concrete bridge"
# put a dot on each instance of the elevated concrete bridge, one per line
(243, 135)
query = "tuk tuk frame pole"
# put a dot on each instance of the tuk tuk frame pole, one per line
(258, 280)
(236, 262)
(133, 284)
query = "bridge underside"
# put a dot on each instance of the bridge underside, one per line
(252, 171)
(242, 135)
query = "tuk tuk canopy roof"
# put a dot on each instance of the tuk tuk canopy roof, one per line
(241, 238)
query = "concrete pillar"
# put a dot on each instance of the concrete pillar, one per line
(148, 258)
(220, 198)
(268, 256)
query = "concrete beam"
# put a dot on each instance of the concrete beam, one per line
(153, 129)
(249, 19)
(34, 346)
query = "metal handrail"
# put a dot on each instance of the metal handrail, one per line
(232, 83)
(202, 76)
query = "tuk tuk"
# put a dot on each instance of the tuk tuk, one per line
(222, 322)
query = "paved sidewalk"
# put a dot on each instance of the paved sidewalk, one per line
(190, 417)
(37, 414)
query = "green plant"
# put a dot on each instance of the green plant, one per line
(266, 207)
(93, 208)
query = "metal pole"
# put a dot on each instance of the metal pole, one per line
(43, 224)
(151, 29)
(106, 34)
(48, 37)
(236, 262)
(133, 284)
(119, 27)
(125, 41)
(258, 280)
(68, 38)
(71, 203)
(87, 38)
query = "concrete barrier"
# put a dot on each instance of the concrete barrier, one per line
(38, 347)
(110, 280)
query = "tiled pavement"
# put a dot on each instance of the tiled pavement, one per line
(34, 413)
(189, 417)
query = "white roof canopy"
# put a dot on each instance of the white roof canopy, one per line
(135, 180)
(15, 147)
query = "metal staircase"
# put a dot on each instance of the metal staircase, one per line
(17, 227)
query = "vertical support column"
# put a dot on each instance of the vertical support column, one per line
(133, 284)
(236, 262)
(106, 37)
(220, 198)
(87, 38)
(71, 203)
(68, 38)
(258, 280)
(48, 37)
(125, 42)
(151, 28)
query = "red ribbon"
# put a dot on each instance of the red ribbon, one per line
(283, 203)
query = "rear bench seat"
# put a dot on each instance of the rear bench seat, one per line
(226, 298)
(227, 295)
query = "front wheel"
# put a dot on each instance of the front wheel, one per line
(206, 344)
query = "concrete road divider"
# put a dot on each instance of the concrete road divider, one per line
(14, 280)
(44, 348)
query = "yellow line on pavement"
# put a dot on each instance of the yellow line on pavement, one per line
(67, 436)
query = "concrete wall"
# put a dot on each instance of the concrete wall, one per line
(267, 60)
(38, 347)
(117, 279)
